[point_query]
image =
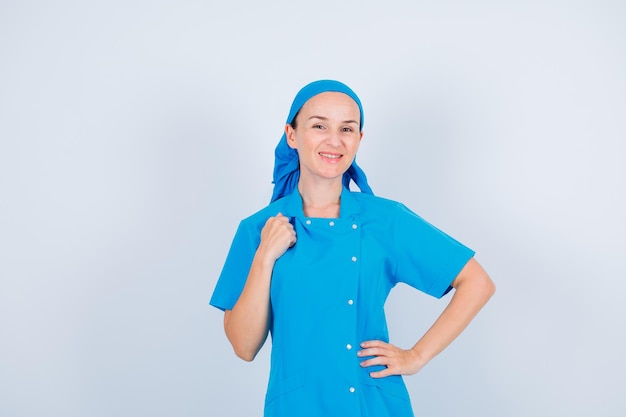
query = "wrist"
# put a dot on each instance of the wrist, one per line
(418, 356)
(264, 258)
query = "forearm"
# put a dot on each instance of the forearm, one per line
(473, 288)
(247, 324)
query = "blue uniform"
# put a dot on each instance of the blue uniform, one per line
(327, 296)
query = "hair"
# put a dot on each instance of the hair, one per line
(293, 121)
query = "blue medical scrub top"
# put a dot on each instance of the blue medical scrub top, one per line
(327, 296)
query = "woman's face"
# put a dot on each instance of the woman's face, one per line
(327, 135)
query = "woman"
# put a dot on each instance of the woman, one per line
(315, 266)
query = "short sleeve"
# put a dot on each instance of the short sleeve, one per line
(426, 258)
(235, 271)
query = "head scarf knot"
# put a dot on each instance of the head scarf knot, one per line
(287, 163)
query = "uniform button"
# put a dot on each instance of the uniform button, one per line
(308, 222)
(350, 302)
(348, 346)
(354, 259)
(331, 224)
(354, 226)
(352, 389)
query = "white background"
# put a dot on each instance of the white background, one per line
(134, 135)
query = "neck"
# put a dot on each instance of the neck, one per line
(320, 199)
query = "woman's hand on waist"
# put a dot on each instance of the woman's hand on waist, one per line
(396, 360)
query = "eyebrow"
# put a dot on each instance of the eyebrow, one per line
(326, 118)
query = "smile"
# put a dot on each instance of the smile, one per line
(330, 156)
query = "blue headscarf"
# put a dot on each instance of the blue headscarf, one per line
(287, 163)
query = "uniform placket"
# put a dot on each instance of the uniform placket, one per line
(352, 256)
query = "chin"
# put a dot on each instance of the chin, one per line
(333, 174)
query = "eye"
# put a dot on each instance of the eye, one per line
(318, 126)
(347, 129)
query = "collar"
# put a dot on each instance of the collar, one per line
(348, 205)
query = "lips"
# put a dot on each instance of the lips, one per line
(330, 155)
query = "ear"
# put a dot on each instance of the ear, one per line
(290, 133)
(361, 136)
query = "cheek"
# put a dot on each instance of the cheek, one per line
(354, 144)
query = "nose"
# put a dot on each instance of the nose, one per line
(333, 139)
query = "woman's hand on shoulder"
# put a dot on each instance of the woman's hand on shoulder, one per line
(396, 360)
(277, 236)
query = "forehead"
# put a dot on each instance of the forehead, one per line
(331, 102)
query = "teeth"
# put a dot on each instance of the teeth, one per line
(326, 155)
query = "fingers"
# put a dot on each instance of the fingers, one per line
(376, 348)
(374, 343)
(381, 374)
(279, 218)
(278, 223)
(277, 236)
(378, 360)
(395, 360)
(380, 353)
(286, 221)
(389, 363)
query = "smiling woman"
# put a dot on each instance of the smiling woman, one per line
(326, 133)
(315, 267)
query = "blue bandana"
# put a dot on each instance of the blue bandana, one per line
(287, 164)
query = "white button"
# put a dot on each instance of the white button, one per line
(348, 346)
(352, 389)
(308, 222)
(331, 224)
(354, 226)
(354, 259)
(350, 302)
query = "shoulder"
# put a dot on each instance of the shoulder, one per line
(378, 204)
(393, 214)
(258, 219)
